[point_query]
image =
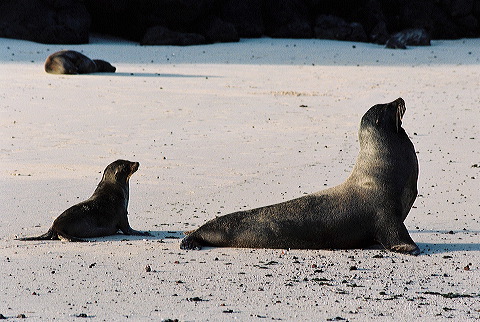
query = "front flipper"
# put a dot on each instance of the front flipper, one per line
(411, 249)
(124, 226)
(395, 237)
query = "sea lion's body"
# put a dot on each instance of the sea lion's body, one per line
(73, 62)
(103, 214)
(368, 208)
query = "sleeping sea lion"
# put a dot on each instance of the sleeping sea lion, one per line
(73, 62)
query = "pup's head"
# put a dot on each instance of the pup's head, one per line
(120, 171)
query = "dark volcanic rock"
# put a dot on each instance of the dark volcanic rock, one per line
(461, 8)
(468, 23)
(409, 37)
(159, 35)
(436, 17)
(69, 21)
(379, 33)
(287, 19)
(122, 18)
(131, 18)
(45, 21)
(294, 29)
(245, 15)
(332, 27)
(373, 20)
(217, 30)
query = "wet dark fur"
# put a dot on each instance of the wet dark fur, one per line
(367, 209)
(73, 62)
(103, 214)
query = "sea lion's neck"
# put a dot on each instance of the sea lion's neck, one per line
(377, 158)
(114, 187)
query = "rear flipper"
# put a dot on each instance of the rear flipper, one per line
(53, 235)
(49, 235)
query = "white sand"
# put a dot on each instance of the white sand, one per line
(221, 128)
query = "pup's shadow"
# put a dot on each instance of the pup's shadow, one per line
(155, 235)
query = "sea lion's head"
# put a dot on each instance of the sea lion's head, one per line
(120, 171)
(383, 120)
(104, 66)
(385, 116)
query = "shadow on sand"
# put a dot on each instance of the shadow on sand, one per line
(426, 248)
(160, 75)
(155, 75)
(156, 235)
(439, 248)
(447, 246)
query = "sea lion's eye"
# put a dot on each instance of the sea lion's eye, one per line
(119, 170)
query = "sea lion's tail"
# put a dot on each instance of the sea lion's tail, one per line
(50, 234)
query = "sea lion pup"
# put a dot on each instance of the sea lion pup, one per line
(367, 209)
(73, 62)
(103, 214)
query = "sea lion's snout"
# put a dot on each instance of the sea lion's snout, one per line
(134, 167)
(400, 111)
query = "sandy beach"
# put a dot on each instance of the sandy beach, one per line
(227, 127)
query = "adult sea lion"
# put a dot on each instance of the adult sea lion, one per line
(368, 208)
(103, 214)
(73, 62)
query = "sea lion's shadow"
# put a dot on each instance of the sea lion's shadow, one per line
(447, 247)
(135, 74)
(159, 235)
(155, 235)
(439, 248)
